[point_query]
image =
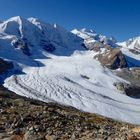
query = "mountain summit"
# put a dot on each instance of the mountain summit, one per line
(27, 34)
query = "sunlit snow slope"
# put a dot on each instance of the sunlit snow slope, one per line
(77, 81)
(69, 75)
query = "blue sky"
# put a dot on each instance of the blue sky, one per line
(119, 18)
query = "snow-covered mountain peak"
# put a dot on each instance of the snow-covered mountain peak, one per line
(132, 44)
(92, 39)
(85, 30)
(33, 20)
(17, 26)
(134, 41)
(84, 33)
(37, 34)
(131, 40)
(46, 26)
(16, 18)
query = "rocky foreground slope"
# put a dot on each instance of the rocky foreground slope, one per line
(27, 119)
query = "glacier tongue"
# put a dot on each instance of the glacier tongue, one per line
(78, 81)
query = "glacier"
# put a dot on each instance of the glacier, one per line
(69, 75)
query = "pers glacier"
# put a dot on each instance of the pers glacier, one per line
(69, 75)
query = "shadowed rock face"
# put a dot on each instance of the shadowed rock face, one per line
(21, 44)
(132, 75)
(4, 66)
(134, 51)
(112, 58)
(133, 91)
(47, 46)
(128, 89)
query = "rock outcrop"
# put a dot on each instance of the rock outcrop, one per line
(22, 45)
(128, 89)
(133, 76)
(112, 58)
(130, 74)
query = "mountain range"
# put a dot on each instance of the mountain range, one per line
(78, 68)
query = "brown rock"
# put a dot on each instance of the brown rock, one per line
(33, 136)
(18, 102)
(112, 58)
(17, 137)
(133, 138)
(50, 137)
(136, 129)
